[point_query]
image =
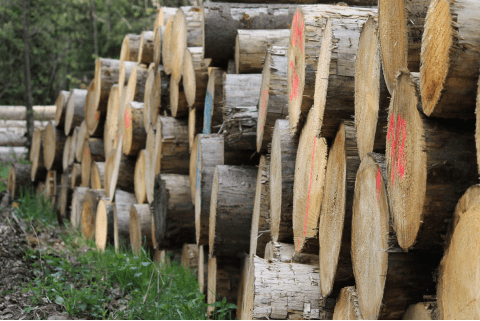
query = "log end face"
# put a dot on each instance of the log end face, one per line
(49, 142)
(458, 286)
(296, 71)
(101, 226)
(392, 24)
(370, 231)
(406, 161)
(435, 55)
(135, 231)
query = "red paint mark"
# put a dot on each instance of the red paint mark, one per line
(297, 30)
(264, 98)
(127, 119)
(86, 152)
(97, 115)
(397, 133)
(379, 183)
(308, 196)
(295, 82)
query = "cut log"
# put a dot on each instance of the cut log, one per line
(61, 104)
(241, 110)
(282, 171)
(260, 230)
(158, 32)
(73, 147)
(53, 145)
(195, 77)
(283, 252)
(145, 52)
(149, 98)
(450, 59)
(337, 29)
(195, 125)
(104, 224)
(123, 77)
(214, 100)
(192, 174)
(172, 146)
(66, 153)
(130, 48)
(347, 305)
(19, 179)
(110, 131)
(89, 211)
(371, 94)
(298, 298)
(194, 17)
(388, 280)
(401, 27)
(122, 207)
(242, 287)
(161, 94)
(173, 212)
(273, 92)
(223, 281)
(43, 113)
(65, 194)
(190, 257)
(93, 151)
(81, 136)
(76, 179)
(430, 165)
(310, 164)
(106, 75)
(202, 273)
(140, 227)
(222, 20)
(97, 175)
(178, 101)
(50, 192)
(134, 134)
(167, 64)
(36, 155)
(119, 172)
(250, 47)
(77, 205)
(456, 291)
(210, 153)
(335, 228)
(94, 118)
(233, 195)
(150, 165)
(178, 44)
(135, 90)
(422, 311)
(335, 77)
(141, 165)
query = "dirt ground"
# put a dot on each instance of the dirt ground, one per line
(16, 271)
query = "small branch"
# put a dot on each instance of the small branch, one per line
(123, 18)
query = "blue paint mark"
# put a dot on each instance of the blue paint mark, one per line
(207, 117)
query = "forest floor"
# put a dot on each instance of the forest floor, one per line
(16, 269)
(52, 272)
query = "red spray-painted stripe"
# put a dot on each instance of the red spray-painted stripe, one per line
(127, 119)
(86, 152)
(308, 196)
(295, 82)
(297, 29)
(379, 183)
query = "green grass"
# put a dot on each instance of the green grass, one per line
(110, 285)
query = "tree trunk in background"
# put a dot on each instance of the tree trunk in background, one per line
(27, 79)
(95, 45)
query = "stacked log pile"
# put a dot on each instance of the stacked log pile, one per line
(310, 161)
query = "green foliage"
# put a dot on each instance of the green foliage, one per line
(120, 285)
(35, 209)
(62, 54)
